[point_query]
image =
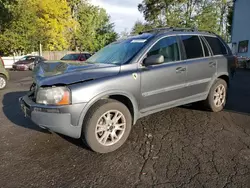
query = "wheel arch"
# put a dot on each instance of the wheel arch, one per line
(226, 78)
(223, 75)
(127, 99)
(1, 74)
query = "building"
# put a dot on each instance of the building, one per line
(241, 28)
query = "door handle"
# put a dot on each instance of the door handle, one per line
(212, 64)
(180, 69)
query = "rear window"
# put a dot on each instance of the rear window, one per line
(192, 46)
(87, 56)
(216, 45)
(72, 57)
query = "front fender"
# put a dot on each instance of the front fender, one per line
(105, 95)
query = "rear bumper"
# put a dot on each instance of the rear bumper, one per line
(60, 119)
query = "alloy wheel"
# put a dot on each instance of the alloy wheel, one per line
(110, 127)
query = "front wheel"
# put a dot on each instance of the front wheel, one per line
(217, 96)
(107, 126)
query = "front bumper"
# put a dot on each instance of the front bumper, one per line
(59, 119)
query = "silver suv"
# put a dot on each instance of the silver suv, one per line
(99, 100)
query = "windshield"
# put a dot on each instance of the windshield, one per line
(119, 52)
(27, 58)
(73, 57)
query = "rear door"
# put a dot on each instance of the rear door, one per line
(221, 54)
(201, 67)
(164, 83)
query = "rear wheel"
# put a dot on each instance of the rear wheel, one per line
(217, 96)
(107, 126)
(3, 82)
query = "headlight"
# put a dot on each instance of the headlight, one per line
(53, 96)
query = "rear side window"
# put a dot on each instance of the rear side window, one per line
(192, 46)
(87, 56)
(216, 45)
(168, 47)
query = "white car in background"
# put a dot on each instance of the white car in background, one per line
(9, 61)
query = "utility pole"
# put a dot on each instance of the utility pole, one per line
(40, 49)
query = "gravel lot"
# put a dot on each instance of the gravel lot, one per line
(179, 147)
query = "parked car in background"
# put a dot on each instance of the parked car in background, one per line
(4, 75)
(76, 57)
(101, 99)
(27, 63)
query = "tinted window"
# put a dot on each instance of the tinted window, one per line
(205, 48)
(192, 46)
(243, 46)
(216, 45)
(72, 57)
(87, 56)
(168, 47)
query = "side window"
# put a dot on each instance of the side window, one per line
(168, 47)
(82, 57)
(205, 48)
(216, 45)
(87, 56)
(192, 46)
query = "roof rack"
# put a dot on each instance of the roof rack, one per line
(165, 29)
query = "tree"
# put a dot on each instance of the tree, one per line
(204, 14)
(5, 13)
(54, 23)
(95, 30)
(37, 21)
(140, 27)
(19, 34)
(230, 19)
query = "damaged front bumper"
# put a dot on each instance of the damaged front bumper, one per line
(59, 119)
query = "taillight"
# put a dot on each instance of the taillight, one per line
(2, 61)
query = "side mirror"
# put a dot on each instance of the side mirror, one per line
(153, 60)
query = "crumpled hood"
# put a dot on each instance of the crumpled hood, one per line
(59, 72)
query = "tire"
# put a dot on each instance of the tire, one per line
(98, 127)
(3, 82)
(216, 102)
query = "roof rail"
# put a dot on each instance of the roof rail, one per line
(164, 29)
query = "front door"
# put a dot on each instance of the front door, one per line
(164, 83)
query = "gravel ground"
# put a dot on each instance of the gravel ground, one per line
(179, 147)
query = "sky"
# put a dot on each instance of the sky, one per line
(124, 13)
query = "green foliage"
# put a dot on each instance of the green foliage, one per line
(5, 13)
(56, 24)
(140, 27)
(95, 30)
(230, 19)
(204, 14)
